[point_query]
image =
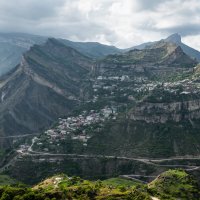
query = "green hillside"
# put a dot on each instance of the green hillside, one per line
(173, 184)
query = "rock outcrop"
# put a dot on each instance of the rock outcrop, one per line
(163, 112)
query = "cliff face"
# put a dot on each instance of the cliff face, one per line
(163, 112)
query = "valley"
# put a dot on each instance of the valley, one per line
(132, 114)
(99, 100)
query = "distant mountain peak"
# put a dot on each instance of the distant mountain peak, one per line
(54, 42)
(175, 38)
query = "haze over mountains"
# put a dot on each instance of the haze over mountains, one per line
(175, 38)
(13, 45)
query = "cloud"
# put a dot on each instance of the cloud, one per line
(121, 23)
(178, 16)
(184, 30)
(29, 9)
(192, 41)
(149, 5)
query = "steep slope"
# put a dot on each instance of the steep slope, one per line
(161, 59)
(175, 184)
(164, 120)
(141, 46)
(92, 49)
(12, 46)
(148, 140)
(48, 83)
(63, 72)
(176, 39)
(163, 123)
(160, 53)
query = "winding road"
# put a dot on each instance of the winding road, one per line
(155, 162)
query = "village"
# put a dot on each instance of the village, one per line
(75, 128)
(82, 127)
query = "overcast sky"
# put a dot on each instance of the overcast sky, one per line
(122, 23)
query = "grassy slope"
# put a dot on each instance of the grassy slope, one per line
(63, 187)
(120, 182)
(175, 184)
(170, 185)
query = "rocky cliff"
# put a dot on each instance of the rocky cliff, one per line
(163, 112)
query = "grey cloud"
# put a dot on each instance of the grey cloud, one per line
(150, 4)
(70, 19)
(184, 30)
(29, 9)
(43, 17)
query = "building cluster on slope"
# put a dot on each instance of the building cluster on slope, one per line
(187, 86)
(123, 85)
(81, 127)
(78, 127)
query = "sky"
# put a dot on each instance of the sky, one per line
(122, 23)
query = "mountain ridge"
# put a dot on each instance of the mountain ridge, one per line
(13, 45)
(176, 39)
(44, 85)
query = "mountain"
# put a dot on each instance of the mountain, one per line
(108, 117)
(158, 60)
(141, 46)
(12, 46)
(163, 121)
(53, 79)
(147, 124)
(160, 53)
(92, 49)
(176, 39)
(48, 83)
